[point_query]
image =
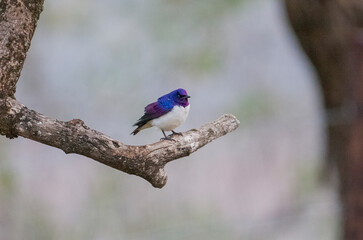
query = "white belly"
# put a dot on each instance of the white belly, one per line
(172, 119)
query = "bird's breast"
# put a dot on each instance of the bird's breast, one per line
(172, 119)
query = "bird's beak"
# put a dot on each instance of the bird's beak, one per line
(187, 96)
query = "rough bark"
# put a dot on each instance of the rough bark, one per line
(18, 20)
(330, 32)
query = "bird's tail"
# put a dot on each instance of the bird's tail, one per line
(135, 131)
(141, 126)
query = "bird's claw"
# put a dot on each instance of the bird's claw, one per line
(177, 133)
(167, 138)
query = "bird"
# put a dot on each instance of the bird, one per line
(167, 113)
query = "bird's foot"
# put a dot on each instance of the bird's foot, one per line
(167, 138)
(177, 133)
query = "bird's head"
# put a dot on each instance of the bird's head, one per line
(180, 97)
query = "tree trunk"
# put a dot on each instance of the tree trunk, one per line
(330, 34)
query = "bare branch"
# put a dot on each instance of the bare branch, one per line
(146, 161)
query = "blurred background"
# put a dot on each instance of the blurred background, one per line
(104, 61)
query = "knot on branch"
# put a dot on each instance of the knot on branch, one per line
(77, 123)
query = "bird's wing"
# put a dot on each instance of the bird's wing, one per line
(152, 111)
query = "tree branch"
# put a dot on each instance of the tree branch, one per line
(146, 161)
(18, 20)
